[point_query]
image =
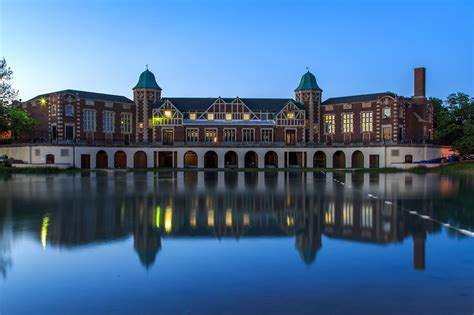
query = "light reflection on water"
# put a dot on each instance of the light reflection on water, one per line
(311, 233)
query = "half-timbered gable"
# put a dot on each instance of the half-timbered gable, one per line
(290, 115)
(167, 115)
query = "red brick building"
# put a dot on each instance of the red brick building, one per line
(72, 116)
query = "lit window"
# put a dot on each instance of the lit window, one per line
(210, 135)
(210, 116)
(329, 124)
(290, 115)
(192, 116)
(367, 122)
(167, 113)
(126, 122)
(386, 112)
(192, 135)
(228, 116)
(246, 116)
(267, 135)
(347, 122)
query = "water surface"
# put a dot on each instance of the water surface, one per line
(236, 243)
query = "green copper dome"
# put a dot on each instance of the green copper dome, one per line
(147, 81)
(308, 82)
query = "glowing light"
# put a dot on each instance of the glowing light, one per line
(228, 217)
(140, 125)
(44, 230)
(168, 219)
(167, 113)
(290, 115)
(158, 217)
(215, 140)
(43, 101)
(290, 221)
(228, 116)
(192, 116)
(210, 217)
(193, 218)
(246, 116)
(246, 218)
(157, 120)
(210, 116)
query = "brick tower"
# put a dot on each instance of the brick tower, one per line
(309, 94)
(145, 94)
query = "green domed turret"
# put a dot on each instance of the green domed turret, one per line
(308, 82)
(147, 81)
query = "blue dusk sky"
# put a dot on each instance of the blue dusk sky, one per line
(238, 48)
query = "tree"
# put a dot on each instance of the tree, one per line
(7, 93)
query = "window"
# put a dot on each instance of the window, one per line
(395, 152)
(228, 116)
(192, 116)
(108, 122)
(192, 135)
(210, 135)
(210, 116)
(89, 120)
(329, 124)
(366, 123)
(246, 116)
(267, 135)
(64, 152)
(347, 214)
(386, 112)
(347, 122)
(248, 135)
(126, 122)
(387, 133)
(229, 135)
(366, 221)
(290, 115)
(69, 110)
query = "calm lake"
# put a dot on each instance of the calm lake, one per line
(236, 243)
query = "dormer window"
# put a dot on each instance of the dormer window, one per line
(246, 116)
(228, 116)
(386, 112)
(210, 116)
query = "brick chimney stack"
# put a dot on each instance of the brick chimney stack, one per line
(420, 82)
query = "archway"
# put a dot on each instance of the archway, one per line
(140, 160)
(357, 159)
(101, 160)
(319, 160)
(339, 160)
(408, 158)
(49, 158)
(210, 159)
(190, 159)
(251, 159)
(120, 159)
(230, 159)
(271, 159)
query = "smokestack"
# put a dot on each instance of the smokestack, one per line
(420, 80)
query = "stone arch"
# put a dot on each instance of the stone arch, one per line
(319, 159)
(120, 159)
(49, 158)
(140, 160)
(101, 159)
(271, 159)
(251, 159)
(210, 159)
(231, 159)
(339, 160)
(357, 159)
(190, 159)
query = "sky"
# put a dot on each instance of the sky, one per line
(246, 48)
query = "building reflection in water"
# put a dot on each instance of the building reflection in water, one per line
(229, 204)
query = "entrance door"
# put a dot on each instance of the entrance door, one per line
(85, 161)
(69, 132)
(167, 137)
(387, 133)
(290, 137)
(374, 161)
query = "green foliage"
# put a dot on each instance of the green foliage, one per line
(453, 121)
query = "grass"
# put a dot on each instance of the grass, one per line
(462, 168)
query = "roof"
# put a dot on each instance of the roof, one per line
(356, 98)
(185, 104)
(89, 95)
(198, 122)
(147, 81)
(308, 82)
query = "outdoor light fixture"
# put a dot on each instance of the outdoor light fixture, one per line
(43, 101)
